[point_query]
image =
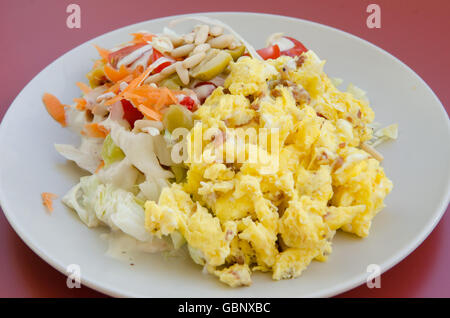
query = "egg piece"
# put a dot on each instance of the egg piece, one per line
(279, 113)
(227, 207)
(173, 208)
(204, 233)
(310, 74)
(302, 225)
(308, 130)
(194, 176)
(266, 213)
(218, 171)
(292, 262)
(263, 241)
(315, 184)
(236, 275)
(336, 217)
(249, 76)
(360, 181)
(241, 252)
(234, 110)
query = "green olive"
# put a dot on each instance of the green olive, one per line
(111, 152)
(177, 116)
(180, 172)
(96, 77)
(173, 82)
(237, 52)
(213, 64)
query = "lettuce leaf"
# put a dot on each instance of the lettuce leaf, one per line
(97, 203)
(87, 156)
(82, 199)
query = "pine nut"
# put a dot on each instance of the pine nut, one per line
(183, 73)
(162, 44)
(202, 34)
(372, 151)
(105, 97)
(176, 40)
(189, 38)
(193, 60)
(154, 78)
(183, 50)
(233, 45)
(169, 69)
(201, 48)
(216, 30)
(222, 41)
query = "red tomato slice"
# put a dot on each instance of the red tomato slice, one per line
(130, 113)
(271, 52)
(161, 67)
(297, 50)
(188, 102)
(155, 56)
(115, 57)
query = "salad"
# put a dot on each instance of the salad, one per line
(247, 160)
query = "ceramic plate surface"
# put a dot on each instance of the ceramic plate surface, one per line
(418, 164)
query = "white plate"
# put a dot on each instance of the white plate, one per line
(418, 164)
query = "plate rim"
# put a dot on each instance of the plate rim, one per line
(334, 290)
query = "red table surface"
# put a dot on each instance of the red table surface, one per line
(34, 33)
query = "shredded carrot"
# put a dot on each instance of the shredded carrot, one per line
(132, 96)
(47, 200)
(138, 70)
(149, 112)
(83, 87)
(133, 84)
(100, 166)
(81, 103)
(141, 37)
(55, 108)
(160, 101)
(171, 96)
(114, 88)
(95, 130)
(129, 78)
(104, 53)
(114, 100)
(151, 100)
(116, 75)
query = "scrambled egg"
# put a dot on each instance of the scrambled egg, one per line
(235, 216)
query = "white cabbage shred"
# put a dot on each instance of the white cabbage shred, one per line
(121, 174)
(384, 134)
(104, 204)
(82, 199)
(87, 156)
(380, 135)
(357, 92)
(141, 151)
